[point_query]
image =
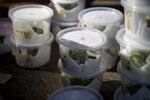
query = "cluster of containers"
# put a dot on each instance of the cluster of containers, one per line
(87, 49)
(134, 40)
(87, 45)
(31, 39)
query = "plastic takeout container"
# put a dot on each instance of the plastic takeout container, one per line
(91, 92)
(80, 51)
(137, 5)
(107, 20)
(130, 89)
(31, 23)
(142, 94)
(57, 25)
(67, 10)
(69, 80)
(137, 23)
(32, 56)
(134, 55)
(132, 76)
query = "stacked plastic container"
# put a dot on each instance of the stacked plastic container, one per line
(80, 55)
(134, 40)
(31, 39)
(66, 12)
(107, 20)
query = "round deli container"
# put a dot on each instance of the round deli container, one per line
(31, 23)
(67, 10)
(69, 80)
(107, 20)
(131, 89)
(80, 51)
(135, 57)
(57, 25)
(137, 19)
(32, 56)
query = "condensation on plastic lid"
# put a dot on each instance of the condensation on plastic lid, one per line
(75, 93)
(31, 12)
(132, 76)
(100, 16)
(126, 40)
(138, 5)
(66, 1)
(81, 38)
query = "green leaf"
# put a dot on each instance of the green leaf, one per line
(138, 58)
(38, 30)
(32, 52)
(78, 56)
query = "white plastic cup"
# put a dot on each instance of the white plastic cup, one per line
(80, 51)
(32, 56)
(31, 23)
(137, 21)
(134, 57)
(57, 26)
(67, 10)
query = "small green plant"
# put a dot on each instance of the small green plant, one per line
(78, 56)
(138, 58)
(38, 30)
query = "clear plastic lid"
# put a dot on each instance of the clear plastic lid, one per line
(65, 1)
(142, 6)
(100, 16)
(31, 12)
(125, 40)
(75, 93)
(78, 38)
